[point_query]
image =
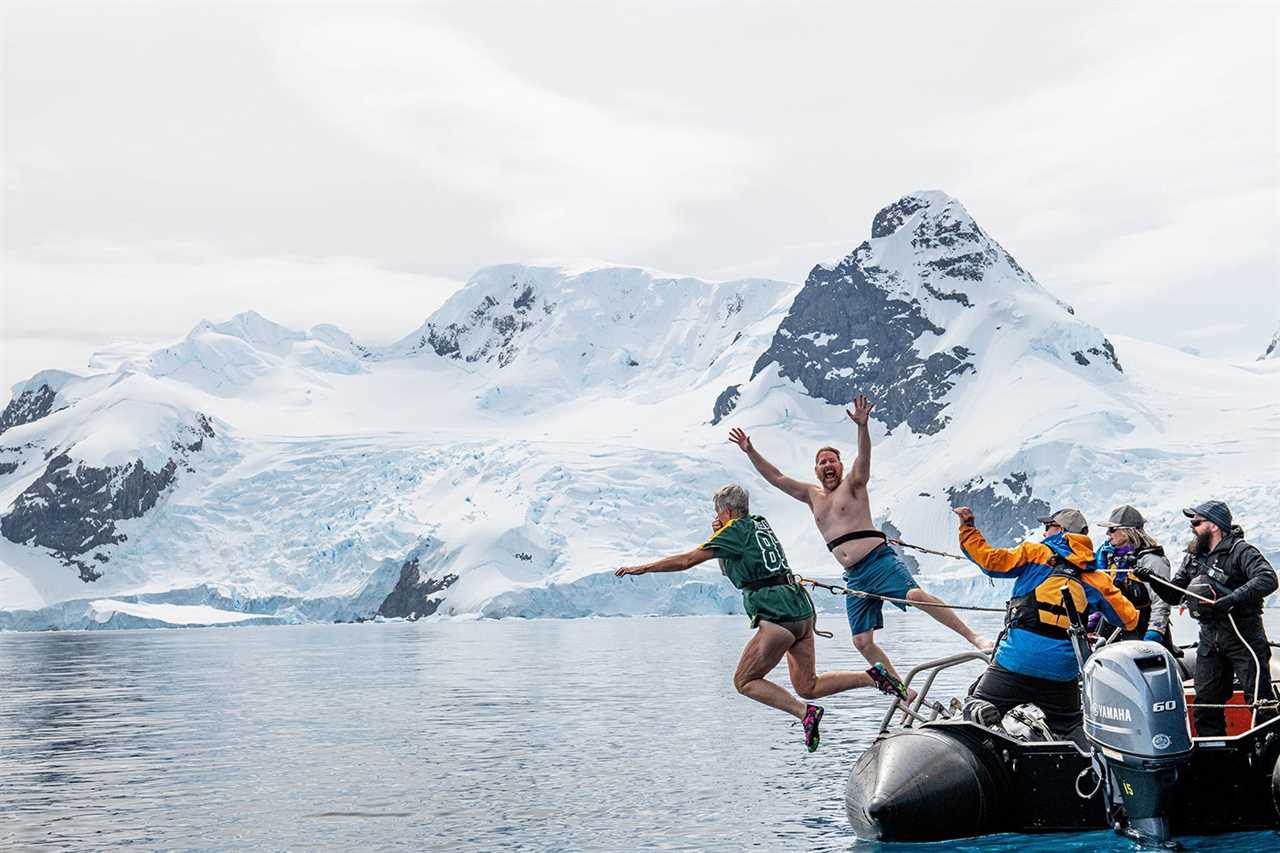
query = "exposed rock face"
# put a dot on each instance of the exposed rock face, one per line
(891, 530)
(1272, 350)
(1004, 511)
(1107, 353)
(725, 403)
(847, 335)
(31, 405)
(72, 508)
(492, 327)
(880, 322)
(411, 597)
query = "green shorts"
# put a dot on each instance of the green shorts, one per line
(786, 603)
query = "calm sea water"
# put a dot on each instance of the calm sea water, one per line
(603, 734)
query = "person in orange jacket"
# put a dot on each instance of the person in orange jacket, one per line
(1034, 661)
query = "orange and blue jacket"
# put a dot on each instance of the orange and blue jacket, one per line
(1035, 642)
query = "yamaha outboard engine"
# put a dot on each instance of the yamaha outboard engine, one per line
(1135, 718)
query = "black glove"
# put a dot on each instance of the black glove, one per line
(1140, 573)
(1216, 609)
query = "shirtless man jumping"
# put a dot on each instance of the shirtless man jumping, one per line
(842, 510)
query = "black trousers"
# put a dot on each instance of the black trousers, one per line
(1060, 700)
(1219, 656)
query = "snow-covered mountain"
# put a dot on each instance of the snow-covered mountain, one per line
(551, 422)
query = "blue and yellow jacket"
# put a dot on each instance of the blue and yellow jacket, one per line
(1036, 641)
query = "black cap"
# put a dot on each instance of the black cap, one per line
(1215, 511)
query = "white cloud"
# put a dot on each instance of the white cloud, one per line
(1126, 156)
(558, 169)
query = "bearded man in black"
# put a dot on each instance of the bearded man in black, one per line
(1236, 578)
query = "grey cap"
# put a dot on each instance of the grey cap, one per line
(1126, 516)
(1070, 520)
(1215, 511)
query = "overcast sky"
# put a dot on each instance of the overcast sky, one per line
(171, 162)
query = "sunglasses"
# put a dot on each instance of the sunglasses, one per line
(1196, 522)
(1049, 527)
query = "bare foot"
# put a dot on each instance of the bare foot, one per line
(912, 693)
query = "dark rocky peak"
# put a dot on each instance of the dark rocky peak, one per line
(35, 398)
(31, 405)
(72, 508)
(908, 313)
(481, 322)
(1005, 508)
(846, 334)
(890, 219)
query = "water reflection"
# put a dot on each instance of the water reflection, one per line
(595, 734)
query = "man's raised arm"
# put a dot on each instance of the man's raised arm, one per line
(776, 478)
(861, 414)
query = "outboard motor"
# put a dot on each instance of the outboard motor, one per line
(1135, 718)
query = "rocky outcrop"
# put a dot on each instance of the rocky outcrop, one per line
(896, 319)
(72, 508)
(847, 334)
(1107, 353)
(412, 596)
(1273, 348)
(1004, 510)
(31, 405)
(725, 403)
(492, 328)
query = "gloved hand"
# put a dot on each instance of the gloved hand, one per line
(1102, 556)
(1140, 573)
(1092, 622)
(1153, 636)
(1216, 609)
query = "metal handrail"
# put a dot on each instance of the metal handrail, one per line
(935, 666)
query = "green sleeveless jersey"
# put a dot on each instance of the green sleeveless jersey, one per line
(748, 551)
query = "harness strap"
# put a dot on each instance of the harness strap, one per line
(856, 534)
(775, 579)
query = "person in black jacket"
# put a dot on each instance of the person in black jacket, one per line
(1221, 566)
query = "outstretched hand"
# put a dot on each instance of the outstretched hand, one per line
(738, 437)
(964, 514)
(861, 410)
(629, 570)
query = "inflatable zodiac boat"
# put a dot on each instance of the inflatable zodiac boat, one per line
(1140, 770)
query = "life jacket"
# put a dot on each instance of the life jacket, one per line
(1040, 611)
(1138, 593)
(1216, 574)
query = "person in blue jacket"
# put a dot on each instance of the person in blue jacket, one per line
(1034, 661)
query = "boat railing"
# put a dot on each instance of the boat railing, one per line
(912, 709)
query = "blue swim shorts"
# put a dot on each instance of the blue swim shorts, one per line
(883, 573)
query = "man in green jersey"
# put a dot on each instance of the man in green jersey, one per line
(780, 610)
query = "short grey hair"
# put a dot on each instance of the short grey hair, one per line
(734, 499)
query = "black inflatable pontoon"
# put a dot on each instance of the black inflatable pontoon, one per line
(1141, 772)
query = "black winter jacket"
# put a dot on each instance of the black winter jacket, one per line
(1235, 564)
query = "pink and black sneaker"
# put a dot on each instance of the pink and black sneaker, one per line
(886, 682)
(812, 717)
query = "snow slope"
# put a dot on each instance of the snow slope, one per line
(551, 422)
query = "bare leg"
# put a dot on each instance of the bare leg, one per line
(761, 655)
(865, 643)
(802, 663)
(948, 617)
